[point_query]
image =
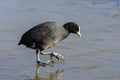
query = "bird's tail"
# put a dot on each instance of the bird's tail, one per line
(20, 43)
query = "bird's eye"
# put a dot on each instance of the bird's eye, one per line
(76, 29)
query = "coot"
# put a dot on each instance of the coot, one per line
(46, 35)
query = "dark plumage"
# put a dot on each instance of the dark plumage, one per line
(46, 35)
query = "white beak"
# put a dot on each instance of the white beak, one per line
(78, 33)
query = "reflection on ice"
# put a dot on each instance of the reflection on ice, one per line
(52, 75)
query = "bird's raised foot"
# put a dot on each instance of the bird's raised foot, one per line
(47, 63)
(58, 56)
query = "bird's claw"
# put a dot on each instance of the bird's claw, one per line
(58, 56)
(47, 63)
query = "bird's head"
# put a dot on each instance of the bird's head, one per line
(72, 28)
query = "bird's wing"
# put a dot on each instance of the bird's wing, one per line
(34, 34)
(39, 32)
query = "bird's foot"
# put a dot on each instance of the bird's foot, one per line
(47, 63)
(58, 56)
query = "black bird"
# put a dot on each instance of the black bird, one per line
(46, 35)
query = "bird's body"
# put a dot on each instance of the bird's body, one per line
(46, 35)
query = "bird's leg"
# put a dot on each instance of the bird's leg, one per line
(52, 54)
(37, 56)
(58, 56)
(42, 63)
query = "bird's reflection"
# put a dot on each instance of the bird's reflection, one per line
(52, 75)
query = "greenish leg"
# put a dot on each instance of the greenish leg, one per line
(52, 54)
